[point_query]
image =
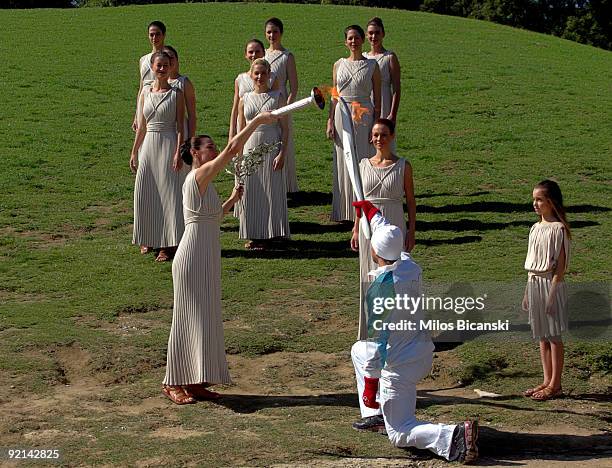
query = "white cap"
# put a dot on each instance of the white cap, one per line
(387, 240)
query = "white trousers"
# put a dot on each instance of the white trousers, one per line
(397, 398)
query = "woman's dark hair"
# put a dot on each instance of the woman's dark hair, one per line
(354, 27)
(552, 192)
(171, 49)
(255, 41)
(158, 24)
(376, 21)
(195, 142)
(160, 54)
(276, 22)
(387, 123)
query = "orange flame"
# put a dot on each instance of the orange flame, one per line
(358, 111)
(329, 91)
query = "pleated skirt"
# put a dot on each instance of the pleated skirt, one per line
(542, 324)
(158, 199)
(263, 208)
(196, 347)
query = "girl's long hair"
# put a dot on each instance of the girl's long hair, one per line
(553, 194)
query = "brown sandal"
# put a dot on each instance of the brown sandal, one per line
(144, 249)
(547, 393)
(178, 395)
(531, 391)
(255, 246)
(162, 256)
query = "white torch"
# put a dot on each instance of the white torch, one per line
(316, 97)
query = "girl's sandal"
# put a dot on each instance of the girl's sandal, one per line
(531, 391)
(547, 393)
(177, 395)
(144, 249)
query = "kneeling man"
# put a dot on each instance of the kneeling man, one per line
(397, 355)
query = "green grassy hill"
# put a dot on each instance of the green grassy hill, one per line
(487, 111)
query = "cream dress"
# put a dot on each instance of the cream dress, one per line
(545, 243)
(384, 187)
(196, 349)
(354, 84)
(263, 208)
(278, 60)
(158, 217)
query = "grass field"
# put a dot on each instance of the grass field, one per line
(487, 111)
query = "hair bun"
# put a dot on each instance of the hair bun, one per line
(185, 151)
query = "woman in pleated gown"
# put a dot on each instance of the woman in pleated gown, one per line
(283, 71)
(263, 209)
(355, 79)
(158, 218)
(386, 180)
(196, 351)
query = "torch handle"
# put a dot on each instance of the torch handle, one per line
(293, 106)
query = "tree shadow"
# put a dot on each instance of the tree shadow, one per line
(452, 241)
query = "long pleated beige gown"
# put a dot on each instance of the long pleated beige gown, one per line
(545, 243)
(263, 208)
(196, 349)
(278, 63)
(384, 187)
(158, 217)
(354, 84)
(386, 85)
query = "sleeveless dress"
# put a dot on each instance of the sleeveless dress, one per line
(263, 208)
(545, 242)
(354, 84)
(384, 187)
(196, 349)
(386, 86)
(158, 217)
(278, 60)
(179, 83)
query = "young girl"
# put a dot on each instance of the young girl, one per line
(386, 180)
(546, 295)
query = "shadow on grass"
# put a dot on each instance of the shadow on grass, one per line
(246, 404)
(503, 207)
(301, 249)
(309, 198)
(429, 398)
(513, 447)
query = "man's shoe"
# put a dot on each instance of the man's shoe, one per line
(464, 446)
(371, 423)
